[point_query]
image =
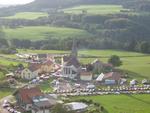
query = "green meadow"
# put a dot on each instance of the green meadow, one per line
(27, 15)
(43, 32)
(95, 9)
(122, 103)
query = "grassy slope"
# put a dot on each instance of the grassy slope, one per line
(43, 32)
(123, 103)
(95, 9)
(27, 15)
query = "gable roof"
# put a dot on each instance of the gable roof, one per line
(48, 62)
(27, 94)
(34, 66)
(113, 76)
(73, 61)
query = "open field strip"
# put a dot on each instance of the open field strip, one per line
(27, 15)
(44, 32)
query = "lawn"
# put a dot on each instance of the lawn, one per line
(5, 92)
(46, 87)
(27, 15)
(122, 103)
(5, 62)
(95, 9)
(44, 32)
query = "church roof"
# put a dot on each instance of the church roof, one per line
(73, 61)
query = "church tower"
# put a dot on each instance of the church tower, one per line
(74, 52)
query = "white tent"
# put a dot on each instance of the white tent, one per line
(77, 105)
(100, 77)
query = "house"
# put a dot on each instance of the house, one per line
(86, 76)
(78, 107)
(97, 65)
(30, 73)
(110, 78)
(32, 99)
(47, 67)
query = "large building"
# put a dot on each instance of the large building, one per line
(71, 66)
(32, 99)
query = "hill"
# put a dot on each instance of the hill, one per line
(46, 5)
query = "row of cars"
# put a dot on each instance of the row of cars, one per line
(103, 91)
(8, 107)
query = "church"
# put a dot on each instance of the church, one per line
(71, 66)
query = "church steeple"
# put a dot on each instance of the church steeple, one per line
(74, 52)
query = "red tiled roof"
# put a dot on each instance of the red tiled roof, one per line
(27, 94)
(84, 73)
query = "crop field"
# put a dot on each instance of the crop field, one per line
(95, 9)
(43, 32)
(122, 103)
(27, 15)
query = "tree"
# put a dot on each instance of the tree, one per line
(145, 47)
(115, 61)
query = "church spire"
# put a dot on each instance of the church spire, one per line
(74, 52)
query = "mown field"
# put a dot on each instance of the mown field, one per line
(122, 103)
(44, 32)
(95, 9)
(27, 15)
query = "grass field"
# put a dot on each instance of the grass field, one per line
(44, 32)
(95, 9)
(122, 103)
(5, 92)
(27, 15)
(5, 62)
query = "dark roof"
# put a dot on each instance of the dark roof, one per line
(112, 76)
(34, 66)
(73, 61)
(27, 94)
(66, 58)
(42, 55)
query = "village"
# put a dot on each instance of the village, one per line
(67, 77)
